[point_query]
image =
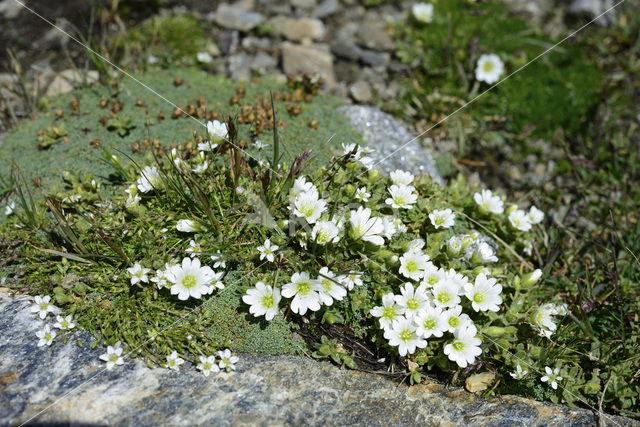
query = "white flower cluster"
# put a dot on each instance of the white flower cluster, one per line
(188, 279)
(543, 318)
(359, 154)
(42, 306)
(472, 248)
(434, 308)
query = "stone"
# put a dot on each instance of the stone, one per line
(479, 382)
(304, 4)
(314, 59)
(326, 8)
(68, 384)
(73, 76)
(298, 29)
(239, 67)
(10, 9)
(263, 63)
(395, 148)
(346, 48)
(58, 86)
(590, 9)
(235, 17)
(361, 91)
(374, 34)
(376, 59)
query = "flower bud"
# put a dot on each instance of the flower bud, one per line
(454, 246)
(374, 174)
(348, 190)
(187, 226)
(495, 331)
(511, 209)
(531, 278)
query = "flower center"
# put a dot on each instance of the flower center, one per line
(327, 284)
(113, 358)
(389, 313)
(478, 297)
(43, 306)
(307, 210)
(206, 366)
(429, 323)
(323, 237)
(443, 297)
(439, 220)
(406, 335)
(267, 301)
(488, 67)
(432, 280)
(360, 230)
(303, 288)
(458, 346)
(189, 281)
(412, 304)
(399, 200)
(454, 321)
(47, 336)
(486, 205)
(412, 266)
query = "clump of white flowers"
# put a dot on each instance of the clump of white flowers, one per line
(423, 12)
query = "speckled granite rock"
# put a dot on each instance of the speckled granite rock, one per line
(65, 383)
(385, 135)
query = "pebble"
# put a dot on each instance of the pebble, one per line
(263, 63)
(361, 91)
(235, 17)
(10, 9)
(326, 8)
(313, 59)
(239, 69)
(298, 29)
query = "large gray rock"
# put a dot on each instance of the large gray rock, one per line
(298, 29)
(235, 17)
(65, 383)
(313, 59)
(395, 148)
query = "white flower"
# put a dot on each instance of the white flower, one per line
(445, 293)
(535, 215)
(267, 250)
(531, 278)
(201, 167)
(400, 227)
(350, 280)
(388, 312)
(324, 232)
(174, 361)
(362, 194)
(489, 203)
(560, 310)
(403, 334)
(308, 206)
(366, 227)
(520, 220)
(552, 377)
(332, 288)
(208, 365)
(43, 306)
(138, 273)
(528, 247)
(263, 300)
(412, 300)
(113, 356)
(149, 179)
(519, 373)
(455, 319)
(204, 57)
(459, 279)
(11, 206)
(442, 218)
(46, 336)
(206, 146)
(430, 322)
(489, 68)
(360, 154)
(219, 261)
(543, 319)
(304, 291)
(194, 248)
(402, 197)
(132, 201)
(64, 322)
(423, 12)
(190, 279)
(465, 346)
(160, 279)
(187, 226)
(227, 361)
(432, 275)
(217, 130)
(415, 245)
(300, 185)
(454, 246)
(260, 145)
(483, 253)
(400, 177)
(484, 294)
(413, 264)
(216, 281)
(389, 224)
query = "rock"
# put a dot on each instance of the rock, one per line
(228, 42)
(361, 91)
(326, 8)
(73, 76)
(537, 9)
(10, 9)
(590, 9)
(304, 4)
(376, 59)
(67, 384)
(235, 17)
(58, 86)
(479, 382)
(347, 49)
(395, 148)
(239, 67)
(314, 59)
(374, 34)
(263, 63)
(298, 29)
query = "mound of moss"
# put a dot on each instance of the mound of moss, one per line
(72, 131)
